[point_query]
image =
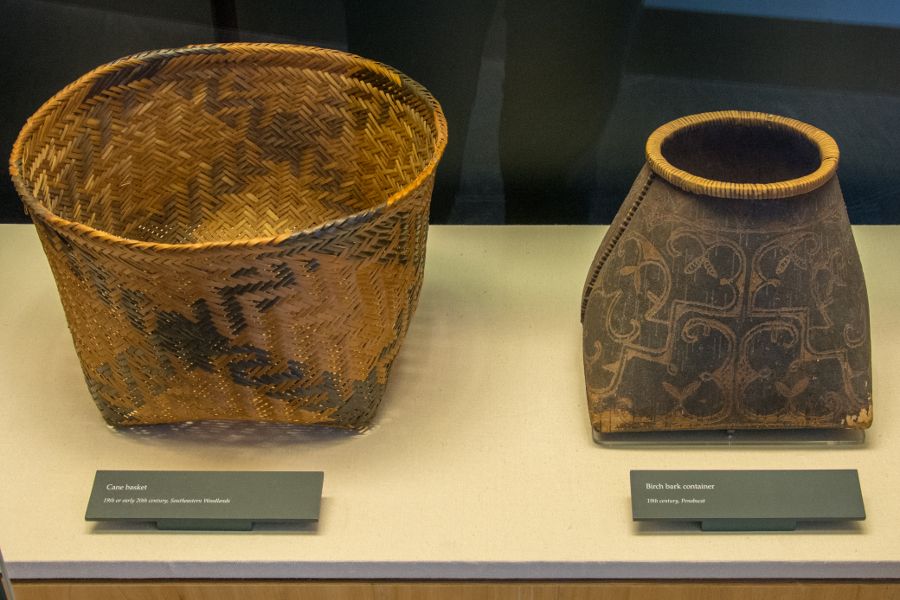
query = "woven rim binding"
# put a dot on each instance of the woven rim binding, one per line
(828, 157)
(59, 100)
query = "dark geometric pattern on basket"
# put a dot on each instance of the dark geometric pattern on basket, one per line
(264, 274)
(712, 313)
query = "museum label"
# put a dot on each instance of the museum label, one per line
(747, 500)
(206, 500)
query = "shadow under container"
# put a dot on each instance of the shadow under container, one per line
(728, 293)
(237, 231)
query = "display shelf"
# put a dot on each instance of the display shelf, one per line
(480, 464)
(444, 590)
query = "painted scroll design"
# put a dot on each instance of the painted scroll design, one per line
(692, 327)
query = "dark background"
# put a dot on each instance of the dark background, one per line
(835, 65)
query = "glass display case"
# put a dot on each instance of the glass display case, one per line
(479, 475)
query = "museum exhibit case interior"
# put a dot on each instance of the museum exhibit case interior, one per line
(478, 475)
(479, 464)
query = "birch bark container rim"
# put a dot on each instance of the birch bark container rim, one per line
(823, 167)
(61, 102)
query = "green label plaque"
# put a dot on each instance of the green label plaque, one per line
(747, 500)
(229, 500)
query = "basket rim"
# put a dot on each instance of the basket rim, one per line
(38, 210)
(827, 147)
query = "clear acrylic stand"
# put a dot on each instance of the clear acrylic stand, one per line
(770, 437)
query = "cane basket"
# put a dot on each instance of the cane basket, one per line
(237, 231)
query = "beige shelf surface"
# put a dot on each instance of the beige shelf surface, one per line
(480, 464)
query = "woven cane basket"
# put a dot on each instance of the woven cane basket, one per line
(237, 231)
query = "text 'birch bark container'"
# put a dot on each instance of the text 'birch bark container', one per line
(728, 292)
(237, 231)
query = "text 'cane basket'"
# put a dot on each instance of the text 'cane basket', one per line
(237, 231)
(728, 292)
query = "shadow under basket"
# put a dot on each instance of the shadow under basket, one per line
(237, 231)
(728, 292)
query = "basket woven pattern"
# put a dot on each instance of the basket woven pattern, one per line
(236, 231)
